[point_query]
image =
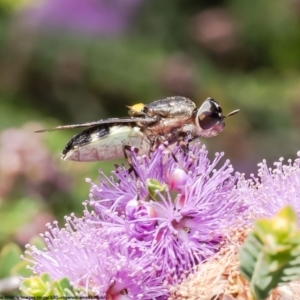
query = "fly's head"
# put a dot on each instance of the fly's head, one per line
(209, 118)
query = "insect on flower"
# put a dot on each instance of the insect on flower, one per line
(171, 119)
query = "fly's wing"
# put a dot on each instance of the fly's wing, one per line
(105, 142)
(143, 120)
(171, 107)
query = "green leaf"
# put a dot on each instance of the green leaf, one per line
(66, 287)
(9, 257)
(270, 254)
(44, 286)
(21, 269)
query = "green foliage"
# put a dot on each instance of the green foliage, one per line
(8, 6)
(11, 263)
(271, 254)
(12, 267)
(45, 286)
(276, 37)
(9, 257)
(14, 214)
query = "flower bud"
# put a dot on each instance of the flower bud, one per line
(176, 179)
(154, 186)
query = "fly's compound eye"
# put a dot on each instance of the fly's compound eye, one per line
(209, 114)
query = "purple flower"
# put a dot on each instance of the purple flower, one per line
(145, 232)
(89, 16)
(265, 195)
(272, 189)
(95, 260)
(185, 222)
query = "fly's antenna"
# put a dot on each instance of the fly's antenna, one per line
(232, 113)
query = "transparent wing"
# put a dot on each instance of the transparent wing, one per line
(105, 121)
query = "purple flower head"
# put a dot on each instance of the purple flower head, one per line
(107, 18)
(185, 220)
(265, 195)
(145, 231)
(272, 189)
(96, 261)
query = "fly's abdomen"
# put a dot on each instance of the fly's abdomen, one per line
(105, 142)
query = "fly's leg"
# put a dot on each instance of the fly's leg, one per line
(171, 152)
(126, 149)
(184, 144)
(161, 141)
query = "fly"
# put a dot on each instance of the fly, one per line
(171, 119)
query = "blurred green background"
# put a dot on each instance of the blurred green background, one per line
(72, 61)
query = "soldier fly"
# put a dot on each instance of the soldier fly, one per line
(167, 120)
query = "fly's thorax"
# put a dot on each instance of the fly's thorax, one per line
(171, 107)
